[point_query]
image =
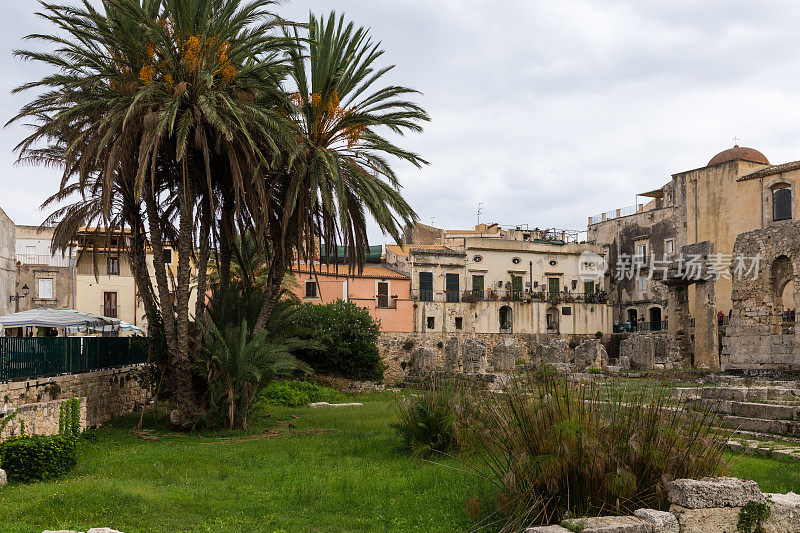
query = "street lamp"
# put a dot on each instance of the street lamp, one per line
(17, 297)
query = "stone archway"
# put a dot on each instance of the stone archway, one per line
(552, 319)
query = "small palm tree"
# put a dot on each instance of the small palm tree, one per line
(243, 364)
(339, 172)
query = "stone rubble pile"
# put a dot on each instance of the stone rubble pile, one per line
(709, 505)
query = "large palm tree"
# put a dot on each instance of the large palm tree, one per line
(174, 101)
(338, 173)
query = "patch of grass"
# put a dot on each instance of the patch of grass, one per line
(354, 478)
(772, 475)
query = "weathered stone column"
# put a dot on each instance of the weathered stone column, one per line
(706, 329)
(678, 319)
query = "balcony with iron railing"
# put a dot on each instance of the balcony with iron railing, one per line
(44, 260)
(499, 295)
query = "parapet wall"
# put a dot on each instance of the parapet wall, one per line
(40, 418)
(108, 393)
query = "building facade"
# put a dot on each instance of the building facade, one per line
(737, 191)
(8, 271)
(385, 293)
(49, 277)
(506, 283)
(104, 282)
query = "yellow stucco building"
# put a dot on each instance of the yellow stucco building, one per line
(736, 191)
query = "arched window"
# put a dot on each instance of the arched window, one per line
(781, 203)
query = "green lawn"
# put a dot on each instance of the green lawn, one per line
(353, 478)
(773, 475)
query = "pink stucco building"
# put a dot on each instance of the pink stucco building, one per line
(384, 292)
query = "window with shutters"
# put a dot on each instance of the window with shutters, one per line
(451, 287)
(477, 285)
(110, 304)
(426, 286)
(113, 266)
(383, 294)
(46, 288)
(311, 289)
(781, 203)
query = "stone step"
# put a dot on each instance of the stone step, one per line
(740, 394)
(789, 428)
(767, 411)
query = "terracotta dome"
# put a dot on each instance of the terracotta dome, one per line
(736, 153)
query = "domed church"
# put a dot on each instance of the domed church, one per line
(737, 191)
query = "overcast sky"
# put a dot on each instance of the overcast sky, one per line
(546, 112)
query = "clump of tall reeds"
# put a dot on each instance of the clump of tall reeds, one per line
(430, 419)
(559, 449)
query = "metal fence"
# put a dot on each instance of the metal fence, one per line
(34, 357)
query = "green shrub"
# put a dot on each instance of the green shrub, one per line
(348, 335)
(296, 393)
(598, 335)
(37, 457)
(558, 449)
(428, 419)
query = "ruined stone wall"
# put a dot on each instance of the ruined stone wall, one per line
(108, 393)
(757, 337)
(40, 418)
(398, 350)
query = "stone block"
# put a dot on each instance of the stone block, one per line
(547, 529)
(662, 521)
(452, 363)
(590, 354)
(556, 351)
(640, 351)
(611, 524)
(710, 520)
(473, 356)
(3, 478)
(713, 492)
(505, 355)
(624, 362)
(424, 359)
(784, 513)
(103, 530)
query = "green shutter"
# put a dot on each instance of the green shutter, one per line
(426, 286)
(477, 285)
(588, 287)
(451, 286)
(553, 285)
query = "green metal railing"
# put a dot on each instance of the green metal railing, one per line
(34, 357)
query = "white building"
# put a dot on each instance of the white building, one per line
(517, 282)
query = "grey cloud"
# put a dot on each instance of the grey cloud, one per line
(547, 112)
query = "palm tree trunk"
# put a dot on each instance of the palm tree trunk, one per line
(157, 243)
(273, 291)
(183, 413)
(226, 241)
(202, 263)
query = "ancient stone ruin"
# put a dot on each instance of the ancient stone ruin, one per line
(759, 335)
